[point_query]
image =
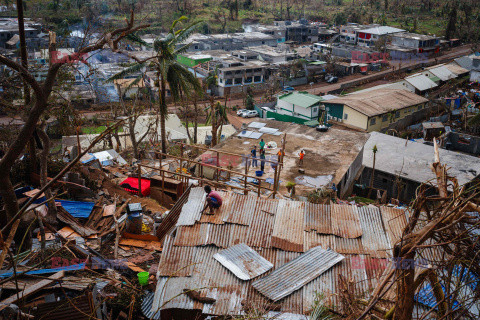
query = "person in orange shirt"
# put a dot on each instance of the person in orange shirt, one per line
(302, 154)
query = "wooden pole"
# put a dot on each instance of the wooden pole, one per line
(181, 156)
(218, 165)
(245, 177)
(139, 181)
(163, 186)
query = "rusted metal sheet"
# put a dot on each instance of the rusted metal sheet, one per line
(192, 210)
(348, 246)
(238, 234)
(345, 222)
(202, 234)
(289, 226)
(172, 217)
(259, 233)
(242, 209)
(374, 239)
(176, 261)
(394, 221)
(313, 239)
(297, 273)
(243, 261)
(318, 218)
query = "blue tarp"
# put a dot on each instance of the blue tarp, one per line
(78, 209)
(79, 266)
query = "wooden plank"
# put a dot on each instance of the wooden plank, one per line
(32, 289)
(149, 245)
(6, 244)
(109, 210)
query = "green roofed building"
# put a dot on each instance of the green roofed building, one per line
(193, 59)
(298, 104)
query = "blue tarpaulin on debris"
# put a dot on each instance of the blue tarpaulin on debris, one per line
(78, 209)
(79, 266)
(425, 294)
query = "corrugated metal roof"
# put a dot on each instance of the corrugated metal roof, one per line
(289, 226)
(192, 210)
(456, 69)
(220, 213)
(241, 210)
(298, 272)
(243, 261)
(373, 239)
(345, 222)
(442, 72)
(176, 261)
(394, 221)
(421, 82)
(259, 234)
(318, 218)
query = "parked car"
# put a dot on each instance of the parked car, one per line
(321, 128)
(250, 114)
(288, 88)
(330, 78)
(241, 111)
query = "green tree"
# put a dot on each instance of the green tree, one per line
(216, 117)
(169, 71)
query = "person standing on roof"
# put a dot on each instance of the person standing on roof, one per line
(214, 201)
(254, 157)
(302, 154)
(262, 145)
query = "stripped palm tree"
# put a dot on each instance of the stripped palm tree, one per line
(216, 117)
(181, 82)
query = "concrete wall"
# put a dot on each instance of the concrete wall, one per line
(354, 118)
(346, 185)
(468, 144)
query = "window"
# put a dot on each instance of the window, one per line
(397, 114)
(372, 121)
(345, 116)
(420, 107)
(385, 118)
(315, 109)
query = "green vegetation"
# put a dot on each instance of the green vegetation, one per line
(221, 16)
(96, 129)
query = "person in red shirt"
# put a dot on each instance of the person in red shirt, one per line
(214, 201)
(302, 154)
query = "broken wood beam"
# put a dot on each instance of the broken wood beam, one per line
(32, 289)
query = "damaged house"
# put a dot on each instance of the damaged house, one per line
(267, 254)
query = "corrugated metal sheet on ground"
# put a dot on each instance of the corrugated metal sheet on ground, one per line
(241, 209)
(78, 209)
(318, 218)
(243, 261)
(373, 239)
(268, 130)
(297, 273)
(256, 125)
(259, 234)
(191, 211)
(289, 226)
(78, 308)
(394, 221)
(345, 222)
(176, 261)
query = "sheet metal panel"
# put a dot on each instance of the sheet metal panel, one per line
(289, 226)
(176, 261)
(259, 234)
(256, 124)
(318, 218)
(348, 246)
(313, 239)
(345, 222)
(191, 211)
(242, 209)
(297, 273)
(394, 221)
(243, 261)
(374, 238)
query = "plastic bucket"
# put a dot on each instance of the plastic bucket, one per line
(143, 277)
(259, 173)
